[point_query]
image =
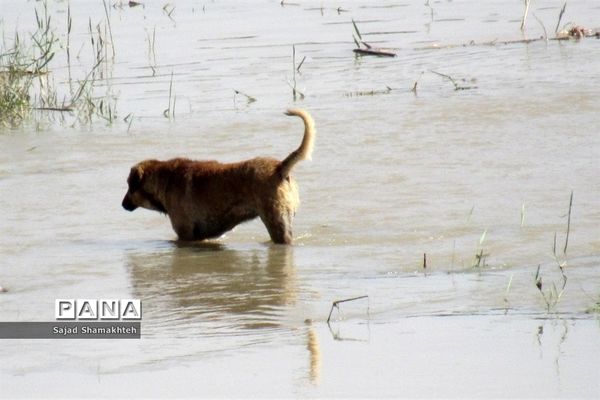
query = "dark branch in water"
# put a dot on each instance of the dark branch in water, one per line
(249, 98)
(168, 10)
(59, 109)
(374, 52)
(364, 48)
(337, 302)
(456, 85)
(414, 87)
(562, 11)
(576, 32)
(301, 63)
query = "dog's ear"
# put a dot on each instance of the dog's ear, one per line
(135, 177)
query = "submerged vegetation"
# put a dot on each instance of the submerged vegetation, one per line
(595, 309)
(550, 281)
(27, 84)
(22, 66)
(28, 65)
(14, 91)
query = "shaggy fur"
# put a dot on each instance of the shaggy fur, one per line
(205, 199)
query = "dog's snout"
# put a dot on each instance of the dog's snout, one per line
(127, 203)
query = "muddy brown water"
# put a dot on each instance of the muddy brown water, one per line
(395, 175)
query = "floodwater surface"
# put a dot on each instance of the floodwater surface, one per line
(440, 204)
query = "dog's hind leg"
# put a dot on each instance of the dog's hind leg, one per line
(279, 225)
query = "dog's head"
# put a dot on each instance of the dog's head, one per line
(142, 190)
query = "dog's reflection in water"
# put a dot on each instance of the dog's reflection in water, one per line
(207, 283)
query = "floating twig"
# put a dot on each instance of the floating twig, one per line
(414, 87)
(363, 48)
(129, 120)
(301, 63)
(58, 109)
(336, 303)
(447, 77)
(357, 32)
(249, 99)
(375, 52)
(168, 10)
(456, 85)
(575, 32)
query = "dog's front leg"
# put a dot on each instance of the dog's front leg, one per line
(183, 229)
(279, 226)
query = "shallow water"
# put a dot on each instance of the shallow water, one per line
(395, 175)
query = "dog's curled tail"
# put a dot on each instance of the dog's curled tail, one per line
(303, 152)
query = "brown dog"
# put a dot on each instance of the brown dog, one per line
(205, 199)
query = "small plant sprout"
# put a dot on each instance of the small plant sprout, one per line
(553, 295)
(414, 86)
(169, 112)
(507, 291)
(295, 91)
(480, 256)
